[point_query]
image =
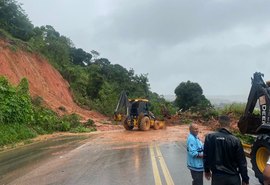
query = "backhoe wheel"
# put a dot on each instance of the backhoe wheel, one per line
(126, 124)
(260, 152)
(145, 123)
(156, 125)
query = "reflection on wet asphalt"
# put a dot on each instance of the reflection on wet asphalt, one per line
(97, 161)
(17, 162)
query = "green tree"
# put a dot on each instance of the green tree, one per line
(95, 81)
(54, 46)
(38, 39)
(106, 101)
(190, 95)
(157, 103)
(140, 83)
(95, 54)
(80, 57)
(14, 20)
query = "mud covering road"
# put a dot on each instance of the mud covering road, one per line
(104, 158)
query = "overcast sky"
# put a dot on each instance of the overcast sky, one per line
(216, 43)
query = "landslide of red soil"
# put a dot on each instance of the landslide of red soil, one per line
(170, 134)
(44, 81)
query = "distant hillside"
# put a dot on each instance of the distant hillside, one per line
(223, 100)
(218, 100)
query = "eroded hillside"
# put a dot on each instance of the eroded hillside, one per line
(44, 80)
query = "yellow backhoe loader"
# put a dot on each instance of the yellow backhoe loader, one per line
(258, 125)
(135, 113)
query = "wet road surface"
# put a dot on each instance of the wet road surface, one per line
(97, 161)
(17, 162)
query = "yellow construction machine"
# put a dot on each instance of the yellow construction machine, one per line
(135, 113)
(258, 125)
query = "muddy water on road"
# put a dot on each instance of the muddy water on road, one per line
(17, 162)
(117, 157)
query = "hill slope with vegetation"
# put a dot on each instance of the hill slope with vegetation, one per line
(45, 82)
(63, 85)
(94, 81)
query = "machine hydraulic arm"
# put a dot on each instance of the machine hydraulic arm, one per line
(122, 108)
(250, 123)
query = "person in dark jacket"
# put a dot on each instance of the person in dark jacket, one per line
(266, 173)
(224, 158)
(195, 155)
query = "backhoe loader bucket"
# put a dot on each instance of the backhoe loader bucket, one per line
(249, 124)
(162, 124)
(117, 117)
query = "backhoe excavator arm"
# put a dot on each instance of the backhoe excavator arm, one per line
(122, 108)
(250, 123)
(257, 90)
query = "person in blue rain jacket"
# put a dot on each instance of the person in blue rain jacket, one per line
(195, 155)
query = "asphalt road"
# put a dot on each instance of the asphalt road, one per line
(97, 161)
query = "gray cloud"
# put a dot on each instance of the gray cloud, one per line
(171, 22)
(217, 43)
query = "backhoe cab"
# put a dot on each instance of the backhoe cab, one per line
(135, 113)
(251, 123)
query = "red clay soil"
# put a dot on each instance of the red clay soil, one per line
(44, 81)
(170, 134)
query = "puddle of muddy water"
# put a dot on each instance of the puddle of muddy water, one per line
(17, 162)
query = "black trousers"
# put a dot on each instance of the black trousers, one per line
(224, 179)
(197, 177)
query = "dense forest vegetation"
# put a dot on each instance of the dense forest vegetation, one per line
(95, 82)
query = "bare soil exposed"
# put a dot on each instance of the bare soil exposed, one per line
(171, 133)
(44, 81)
(120, 135)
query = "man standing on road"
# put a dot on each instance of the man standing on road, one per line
(195, 155)
(266, 173)
(224, 158)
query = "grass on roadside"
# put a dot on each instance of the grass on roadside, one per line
(13, 133)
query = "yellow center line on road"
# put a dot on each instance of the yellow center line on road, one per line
(165, 170)
(154, 166)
